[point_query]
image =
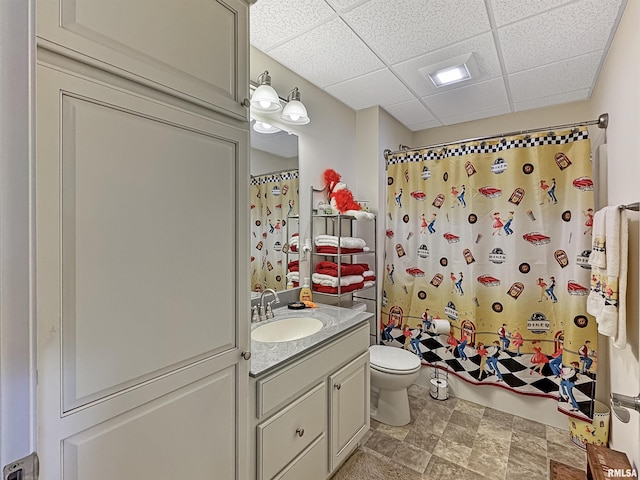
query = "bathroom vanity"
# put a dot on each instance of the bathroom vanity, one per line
(310, 401)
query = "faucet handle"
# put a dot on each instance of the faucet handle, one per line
(255, 316)
(269, 312)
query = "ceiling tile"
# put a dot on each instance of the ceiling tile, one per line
(410, 112)
(377, 88)
(401, 29)
(564, 32)
(473, 98)
(508, 11)
(484, 52)
(416, 127)
(560, 77)
(343, 5)
(326, 63)
(468, 117)
(273, 21)
(574, 96)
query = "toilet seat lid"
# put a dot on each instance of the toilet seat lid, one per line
(393, 359)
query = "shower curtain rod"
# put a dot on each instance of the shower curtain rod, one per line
(275, 172)
(602, 122)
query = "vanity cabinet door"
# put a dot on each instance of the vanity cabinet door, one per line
(197, 50)
(348, 408)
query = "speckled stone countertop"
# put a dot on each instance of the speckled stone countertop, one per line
(267, 356)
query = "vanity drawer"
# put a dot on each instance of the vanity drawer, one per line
(285, 435)
(310, 465)
(276, 389)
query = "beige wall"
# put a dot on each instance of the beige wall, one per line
(617, 93)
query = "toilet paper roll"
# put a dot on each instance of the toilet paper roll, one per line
(440, 326)
(439, 389)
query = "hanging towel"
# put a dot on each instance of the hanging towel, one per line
(609, 283)
(598, 262)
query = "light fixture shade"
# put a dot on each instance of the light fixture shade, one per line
(294, 112)
(262, 127)
(265, 98)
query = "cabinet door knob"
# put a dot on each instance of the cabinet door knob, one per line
(246, 355)
(337, 386)
(246, 103)
(300, 431)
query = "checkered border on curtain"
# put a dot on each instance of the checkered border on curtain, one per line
(459, 150)
(276, 177)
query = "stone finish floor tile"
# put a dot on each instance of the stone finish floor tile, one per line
(412, 457)
(457, 439)
(529, 426)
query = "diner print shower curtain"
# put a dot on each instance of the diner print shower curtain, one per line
(486, 271)
(273, 205)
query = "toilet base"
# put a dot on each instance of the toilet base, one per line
(392, 407)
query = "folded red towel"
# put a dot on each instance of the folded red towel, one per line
(330, 249)
(349, 288)
(331, 268)
(371, 278)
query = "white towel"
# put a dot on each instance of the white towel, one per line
(597, 257)
(344, 242)
(607, 300)
(329, 281)
(293, 276)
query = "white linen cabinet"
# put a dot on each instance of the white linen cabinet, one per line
(141, 229)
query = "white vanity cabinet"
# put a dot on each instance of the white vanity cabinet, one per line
(197, 50)
(312, 413)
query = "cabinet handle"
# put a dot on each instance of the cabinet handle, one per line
(337, 386)
(300, 431)
(246, 103)
(246, 355)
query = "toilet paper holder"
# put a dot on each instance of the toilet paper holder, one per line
(439, 382)
(622, 404)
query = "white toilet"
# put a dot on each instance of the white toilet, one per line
(393, 370)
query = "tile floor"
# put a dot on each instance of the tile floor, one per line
(456, 439)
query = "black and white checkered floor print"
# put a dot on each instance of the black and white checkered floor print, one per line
(517, 372)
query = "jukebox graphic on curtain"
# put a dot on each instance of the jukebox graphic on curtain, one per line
(273, 201)
(486, 269)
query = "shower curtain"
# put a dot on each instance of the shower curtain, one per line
(274, 211)
(486, 263)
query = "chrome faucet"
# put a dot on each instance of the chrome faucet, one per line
(268, 313)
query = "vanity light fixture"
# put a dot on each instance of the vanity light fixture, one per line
(265, 98)
(294, 112)
(264, 127)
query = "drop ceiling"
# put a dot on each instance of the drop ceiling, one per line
(529, 53)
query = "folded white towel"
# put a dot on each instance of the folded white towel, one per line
(369, 273)
(330, 281)
(293, 241)
(344, 242)
(293, 276)
(369, 284)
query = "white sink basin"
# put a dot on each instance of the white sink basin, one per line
(287, 329)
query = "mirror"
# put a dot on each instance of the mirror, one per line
(274, 209)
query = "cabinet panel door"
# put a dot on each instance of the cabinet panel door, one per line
(349, 407)
(141, 228)
(196, 49)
